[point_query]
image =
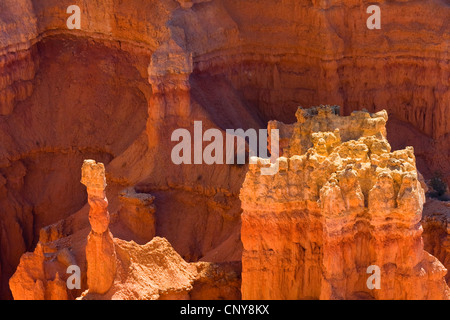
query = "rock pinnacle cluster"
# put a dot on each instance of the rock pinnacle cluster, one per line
(340, 203)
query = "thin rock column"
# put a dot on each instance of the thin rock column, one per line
(100, 252)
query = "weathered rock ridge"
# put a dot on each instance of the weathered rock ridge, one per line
(340, 203)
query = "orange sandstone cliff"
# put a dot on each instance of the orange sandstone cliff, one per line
(340, 203)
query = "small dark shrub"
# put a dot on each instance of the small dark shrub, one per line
(438, 184)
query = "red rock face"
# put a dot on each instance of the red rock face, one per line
(116, 89)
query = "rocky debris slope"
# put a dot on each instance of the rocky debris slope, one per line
(340, 203)
(156, 271)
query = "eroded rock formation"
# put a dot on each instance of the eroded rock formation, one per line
(115, 90)
(341, 202)
(112, 268)
(31, 280)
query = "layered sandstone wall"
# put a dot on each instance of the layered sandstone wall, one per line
(341, 202)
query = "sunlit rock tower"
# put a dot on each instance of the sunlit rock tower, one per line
(100, 252)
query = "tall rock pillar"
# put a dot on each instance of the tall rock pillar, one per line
(100, 252)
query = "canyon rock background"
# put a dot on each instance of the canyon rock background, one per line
(116, 89)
